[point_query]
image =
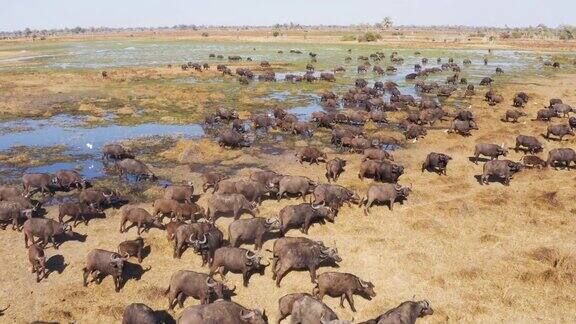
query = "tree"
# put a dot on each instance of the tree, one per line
(387, 22)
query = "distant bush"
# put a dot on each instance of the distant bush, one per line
(369, 37)
(205, 34)
(347, 38)
(397, 34)
(276, 33)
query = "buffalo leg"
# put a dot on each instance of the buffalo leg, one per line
(312, 270)
(280, 274)
(85, 277)
(245, 278)
(350, 299)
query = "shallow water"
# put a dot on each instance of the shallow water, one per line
(86, 141)
(81, 140)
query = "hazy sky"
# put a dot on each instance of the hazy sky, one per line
(40, 14)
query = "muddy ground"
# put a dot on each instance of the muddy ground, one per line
(478, 253)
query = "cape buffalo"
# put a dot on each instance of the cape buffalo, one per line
(528, 144)
(436, 162)
(46, 229)
(286, 303)
(116, 151)
(513, 115)
(68, 178)
(334, 168)
(180, 193)
(491, 150)
(311, 154)
(559, 130)
(221, 312)
(334, 195)
(503, 169)
(302, 216)
(236, 260)
(37, 182)
(207, 243)
(103, 263)
(135, 167)
(343, 285)
(251, 230)
(137, 313)
(38, 261)
(295, 185)
(184, 283)
(406, 313)
(300, 254)
(226, 203)
(385, 192)
(561, 156)
(132, 248)
(139, 217)
(310, 310)
(75, 211)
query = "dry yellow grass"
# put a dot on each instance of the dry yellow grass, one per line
(478, 253)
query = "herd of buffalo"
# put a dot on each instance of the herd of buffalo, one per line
(191, 226)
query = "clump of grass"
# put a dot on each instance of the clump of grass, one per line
(369, 37)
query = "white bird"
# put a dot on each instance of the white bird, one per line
(88, 145)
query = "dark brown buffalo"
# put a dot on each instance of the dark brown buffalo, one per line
(464, 115)
(333, 196)
(76, 211)
(385, 192)
(268, 178)
(232, 138)
(286, 303)
(138, 313)
(101, 263)
(116, 151)
(207, 243)
(263, 121)
(134, 167)
(12, 213)
(533, 161)
(221, 312)
(414, 131)
(561, 156)
(172, 208)
(226, 203)
(254, 191)
(186, 234)
(406, 313)
(334, 168)
(303, 215)
(307, 309)
(462, 127)
(377, 154)
(180, 193)
(503, 169)
(436, 162)
(235, 259)
(491, 150)
(132, 248)
(45, 229)
(311, 154)
(69, 179)
(38, 261)
(546, 114)
(97, 198)
(562, 109)
(251, 230)
(343, 285)
(296, 185)
(559, 130)
(512, 115)
(37, 182)
(528, 144)
(572, 122)
(139, 217)
(381, 171)
(203, 287)
(300, 254)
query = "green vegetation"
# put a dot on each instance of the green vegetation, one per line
(369, 37)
